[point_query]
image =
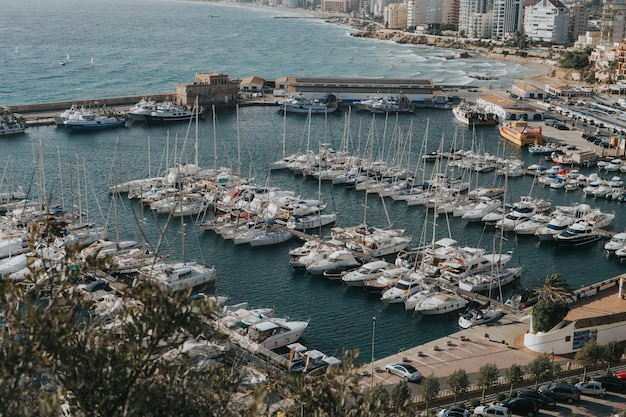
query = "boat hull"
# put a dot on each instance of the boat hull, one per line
(521, 136)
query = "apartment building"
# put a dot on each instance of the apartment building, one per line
(547, 21)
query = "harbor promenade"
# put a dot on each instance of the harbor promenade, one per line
(500, 343)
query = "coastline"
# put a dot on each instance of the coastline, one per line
(545, 73)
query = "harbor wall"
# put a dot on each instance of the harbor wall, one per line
(64, 105)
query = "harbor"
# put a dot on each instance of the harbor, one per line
(78, 172)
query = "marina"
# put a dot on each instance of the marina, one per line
(247, 141)
(353, 198)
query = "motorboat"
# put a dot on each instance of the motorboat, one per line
(169, 112)
(73, 113)
(391, 105)
(259, 326)
(370, 270)
(179, 276)
(379, 244)
(88, 122)
(555, 226)
(474, 115)
(469, 261)
(404, 288)
(523, 298)
(300, 104)
(139, 111)
(273, 237)
(312, 221)
(275, 333)
(618, 241)
(489, 281)
(338, 259)
(10, 124)
(520, 133)
(530, 226)
(441, 303)
(513, 219)
(414, 299)
(578, 234)
(478, 316)
(387, 279)
(498, 213)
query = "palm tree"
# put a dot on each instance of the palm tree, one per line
(555, 289)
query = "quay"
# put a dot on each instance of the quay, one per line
(500, 343)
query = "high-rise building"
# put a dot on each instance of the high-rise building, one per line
(507, 18)
(418, 12)
(473, 16)
(613, 26)
(450, 12)
(578, 21)
(395, 16)
(547, 21)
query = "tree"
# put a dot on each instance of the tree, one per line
(613, 352)
(487, 376)
(552, 306)
(56, 350)
(400, 395)
(458, 382)
(429, 389)
(574, 59)
(540, 369)
(589, 355)
(514, 375)
(555, 289)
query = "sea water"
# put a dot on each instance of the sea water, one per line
(145, 47)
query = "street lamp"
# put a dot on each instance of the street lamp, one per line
(373, 340)
(552, 353)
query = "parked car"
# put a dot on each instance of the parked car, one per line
(542, 400)
(611, 383)
(561, 126)
(594, 388)
(561, 392)
(621, 375)
(492, 410)
(454, 412)
(521, 406)
(404, 370)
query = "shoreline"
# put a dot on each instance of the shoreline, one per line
(545, 73)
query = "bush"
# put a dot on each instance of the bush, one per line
(513, 394)
(547, 314)
(501, 397)
(475, 402)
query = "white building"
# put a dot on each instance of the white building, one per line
(547, 21)
(475, 18)
(507, 18)
(508, 109)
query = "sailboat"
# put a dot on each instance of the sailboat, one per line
(485, 314)
(66, 60)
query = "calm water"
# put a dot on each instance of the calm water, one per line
(143, 47)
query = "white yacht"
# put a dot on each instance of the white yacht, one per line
(478, 316)
(618, 241)
(555, 226)
(441, 303)
(370, 270)
(405, 287)
(338, 259)
(179, 276)
(489, 281)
